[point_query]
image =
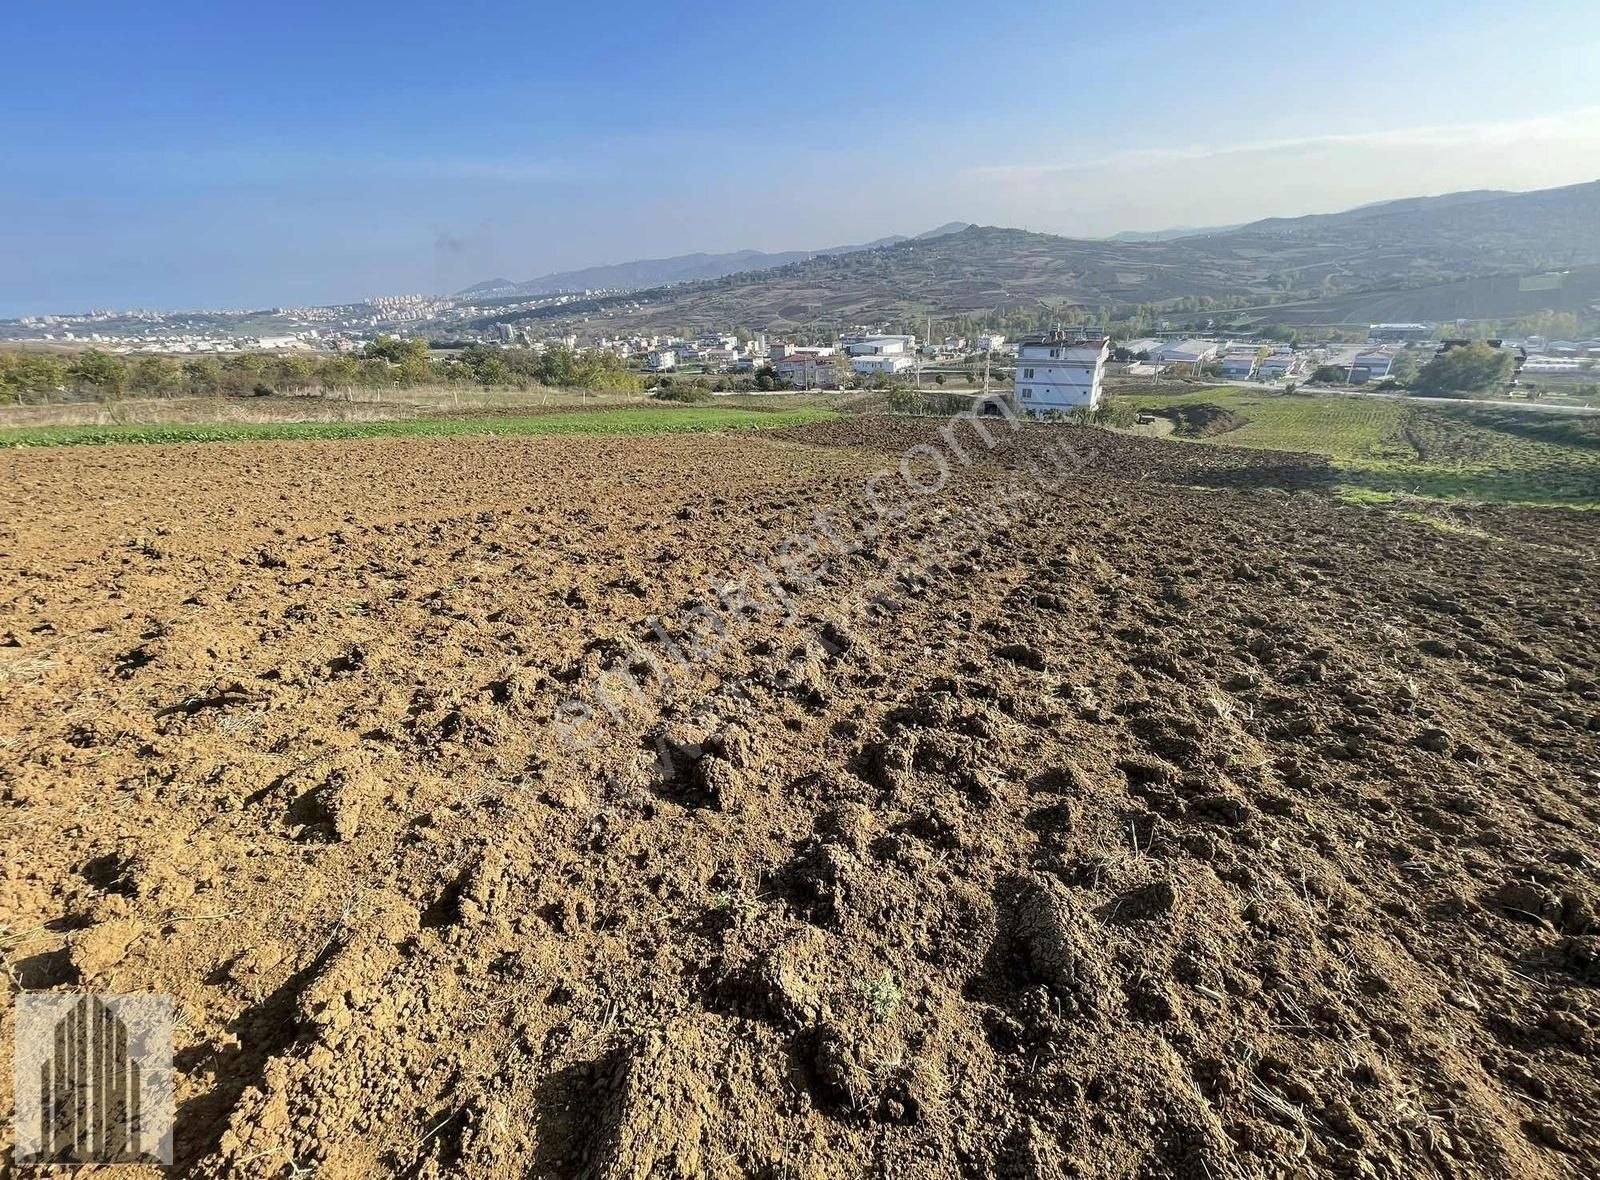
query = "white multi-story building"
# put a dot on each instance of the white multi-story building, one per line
(989, 343)
(888, 364)
(663, 360)
(1057, 372)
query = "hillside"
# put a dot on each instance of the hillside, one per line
(683, 268)
(1499, 296)
(1418, 257)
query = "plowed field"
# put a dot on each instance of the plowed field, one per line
(1079, 806)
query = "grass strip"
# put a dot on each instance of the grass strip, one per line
(624, 421)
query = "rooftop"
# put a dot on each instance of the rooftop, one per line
(1065, 339)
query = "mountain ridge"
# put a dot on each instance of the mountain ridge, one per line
(1401, 253)
(655, 272)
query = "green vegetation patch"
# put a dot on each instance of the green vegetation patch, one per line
(1491, 454)
(639, 420)
(1383, 447)
(1340, 427)
(1444, 524)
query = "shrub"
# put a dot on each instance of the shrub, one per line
(1470, 368)
(101, 372)
(1113, 411)
(682, 391)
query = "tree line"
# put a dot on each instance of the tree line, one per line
(385, 363)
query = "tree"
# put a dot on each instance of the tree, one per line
(288, 374)
(337, 372)
(1114, 411)
(154, 376)
(560, 366)
(1556, 325)
(376, 373)
(25, 375)
(904, 401)
(1469, 368)
(239, 375)
(204, 375)
(415, 369)
(1405, 366)
(101, 372)
(482, 364)
(394, 350)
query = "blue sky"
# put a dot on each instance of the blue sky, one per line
(230, 155)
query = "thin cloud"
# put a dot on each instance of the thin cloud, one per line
(1582, 125)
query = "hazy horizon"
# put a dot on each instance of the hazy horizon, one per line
(187, 158)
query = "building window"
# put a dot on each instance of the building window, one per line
(1028, 393)
(1027, 373)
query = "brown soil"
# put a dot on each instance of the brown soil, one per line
(1178, 821)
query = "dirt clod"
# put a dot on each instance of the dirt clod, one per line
(498, 816)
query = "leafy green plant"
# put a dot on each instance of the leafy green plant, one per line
(882, 996)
